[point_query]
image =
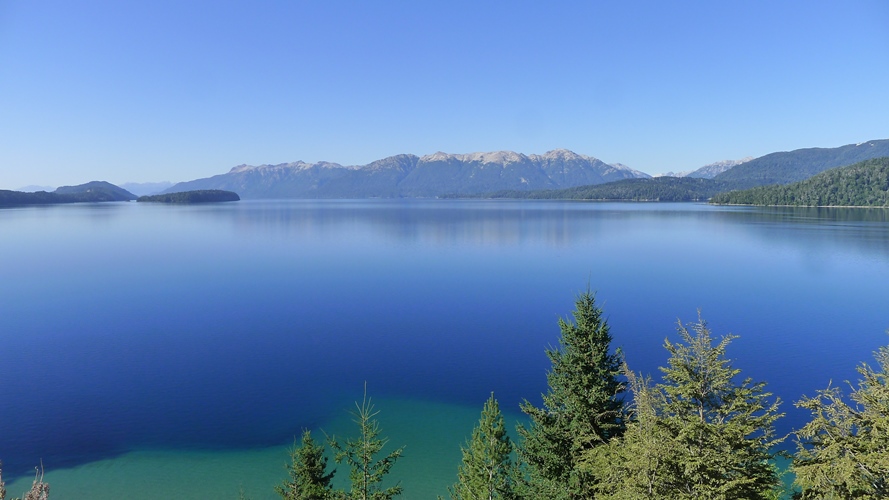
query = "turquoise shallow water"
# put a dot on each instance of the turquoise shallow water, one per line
(431, 432)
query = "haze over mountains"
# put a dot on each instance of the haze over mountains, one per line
(34, 188)
(413, 176)
(146, 188)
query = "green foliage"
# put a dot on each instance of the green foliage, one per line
(698, 434)
(200, 196)
(583, 408)
(843, 452)
(639, 464)
(486, 471)
(863, 184)
(307, 469)
(366, 472)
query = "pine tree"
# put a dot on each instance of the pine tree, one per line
(583, 408)
(309, 479)
(698, 434)
(486, 471)
(843, 452)
(366, 472)
(637, 465)
(725, 427)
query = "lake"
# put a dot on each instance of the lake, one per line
(151, 350)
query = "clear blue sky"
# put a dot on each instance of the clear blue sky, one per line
(176, 90)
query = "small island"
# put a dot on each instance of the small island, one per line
(200, 196)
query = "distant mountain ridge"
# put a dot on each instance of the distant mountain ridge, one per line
(408, 175)
(713, 169)
(34, 188)
(146, 188)
(708, 171)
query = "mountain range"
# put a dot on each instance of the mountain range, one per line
(772, 169)
(408, 175)
(713, 169)
(558, 174)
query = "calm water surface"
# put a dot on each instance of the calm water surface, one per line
(184, 347)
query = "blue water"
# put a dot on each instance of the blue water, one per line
(130, 327)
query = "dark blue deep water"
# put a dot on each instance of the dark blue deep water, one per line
(132, 326)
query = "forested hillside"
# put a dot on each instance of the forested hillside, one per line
(792, 166)
(864, 184)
